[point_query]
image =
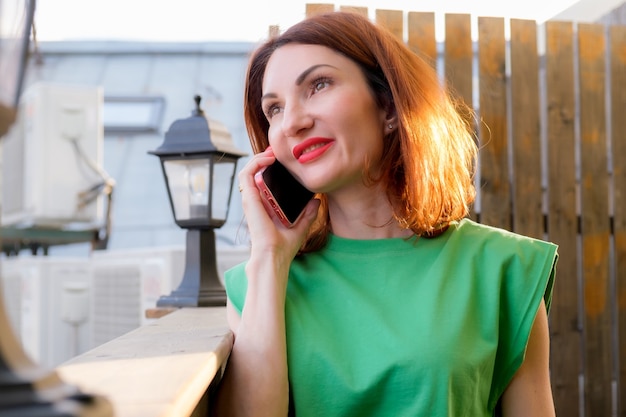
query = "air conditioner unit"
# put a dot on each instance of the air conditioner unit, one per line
(52, 158)
(46, 301)
(127, 282)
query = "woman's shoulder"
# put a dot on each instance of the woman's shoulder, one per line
(481, 244)
(469, 230)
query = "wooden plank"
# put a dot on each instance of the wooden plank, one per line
(354, 9)
(458, 58)
(273, 31)
(618, 132)
(313, 9)
(392, 20)
(595, 225)
(163, 369)
(566, 351)
(495, 188)
(526, 132)
(421, 36)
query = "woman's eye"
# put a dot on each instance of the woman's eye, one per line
(320, 84)
(272, 111)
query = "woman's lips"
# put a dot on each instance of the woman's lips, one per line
(311, 149)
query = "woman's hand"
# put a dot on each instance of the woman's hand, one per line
(267, 234)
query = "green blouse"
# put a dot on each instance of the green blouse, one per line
(417, 327)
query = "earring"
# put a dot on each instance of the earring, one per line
(390, 126)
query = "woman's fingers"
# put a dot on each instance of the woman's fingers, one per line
(254, 165)
(266, 230)
(309, 215)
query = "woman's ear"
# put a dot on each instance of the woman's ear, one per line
(391, 117)
(391, 122)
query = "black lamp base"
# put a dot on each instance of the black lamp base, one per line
(200, 286)
(178, 299)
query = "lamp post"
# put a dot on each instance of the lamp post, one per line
(26, 389)
(199, 159)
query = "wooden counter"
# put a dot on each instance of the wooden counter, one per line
(163, 369)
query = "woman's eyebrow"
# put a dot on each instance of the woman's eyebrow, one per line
(300, 78)
(309, 70)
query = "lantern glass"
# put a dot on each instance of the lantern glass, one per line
(200, 189)
(223, 176)
(189, 184)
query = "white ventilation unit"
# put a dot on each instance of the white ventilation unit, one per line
(45, 299)
(52, 158)
(128, 282)
(61, 307)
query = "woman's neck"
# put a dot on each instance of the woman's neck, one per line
(363, 214)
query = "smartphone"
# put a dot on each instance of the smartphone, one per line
(282, 193)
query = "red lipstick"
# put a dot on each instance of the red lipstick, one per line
(311, 148)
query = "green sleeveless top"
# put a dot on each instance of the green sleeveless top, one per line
(418, 327)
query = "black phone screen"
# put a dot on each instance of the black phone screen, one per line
(289, 194)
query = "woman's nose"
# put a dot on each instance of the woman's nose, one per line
(296, 118)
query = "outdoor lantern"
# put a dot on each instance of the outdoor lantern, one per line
(27, 389)
(199, 162)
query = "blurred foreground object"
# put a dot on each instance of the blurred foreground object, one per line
(25, 388)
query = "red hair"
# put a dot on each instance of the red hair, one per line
(428, 161)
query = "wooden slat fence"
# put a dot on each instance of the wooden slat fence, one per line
(552, 131)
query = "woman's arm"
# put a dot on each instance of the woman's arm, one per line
(255, 382)
(529, 393)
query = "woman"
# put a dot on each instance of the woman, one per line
(381, 300)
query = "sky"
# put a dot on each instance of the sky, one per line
(235, 20)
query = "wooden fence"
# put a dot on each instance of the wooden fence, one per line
(553, 146)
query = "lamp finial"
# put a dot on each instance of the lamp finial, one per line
(198, 111)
